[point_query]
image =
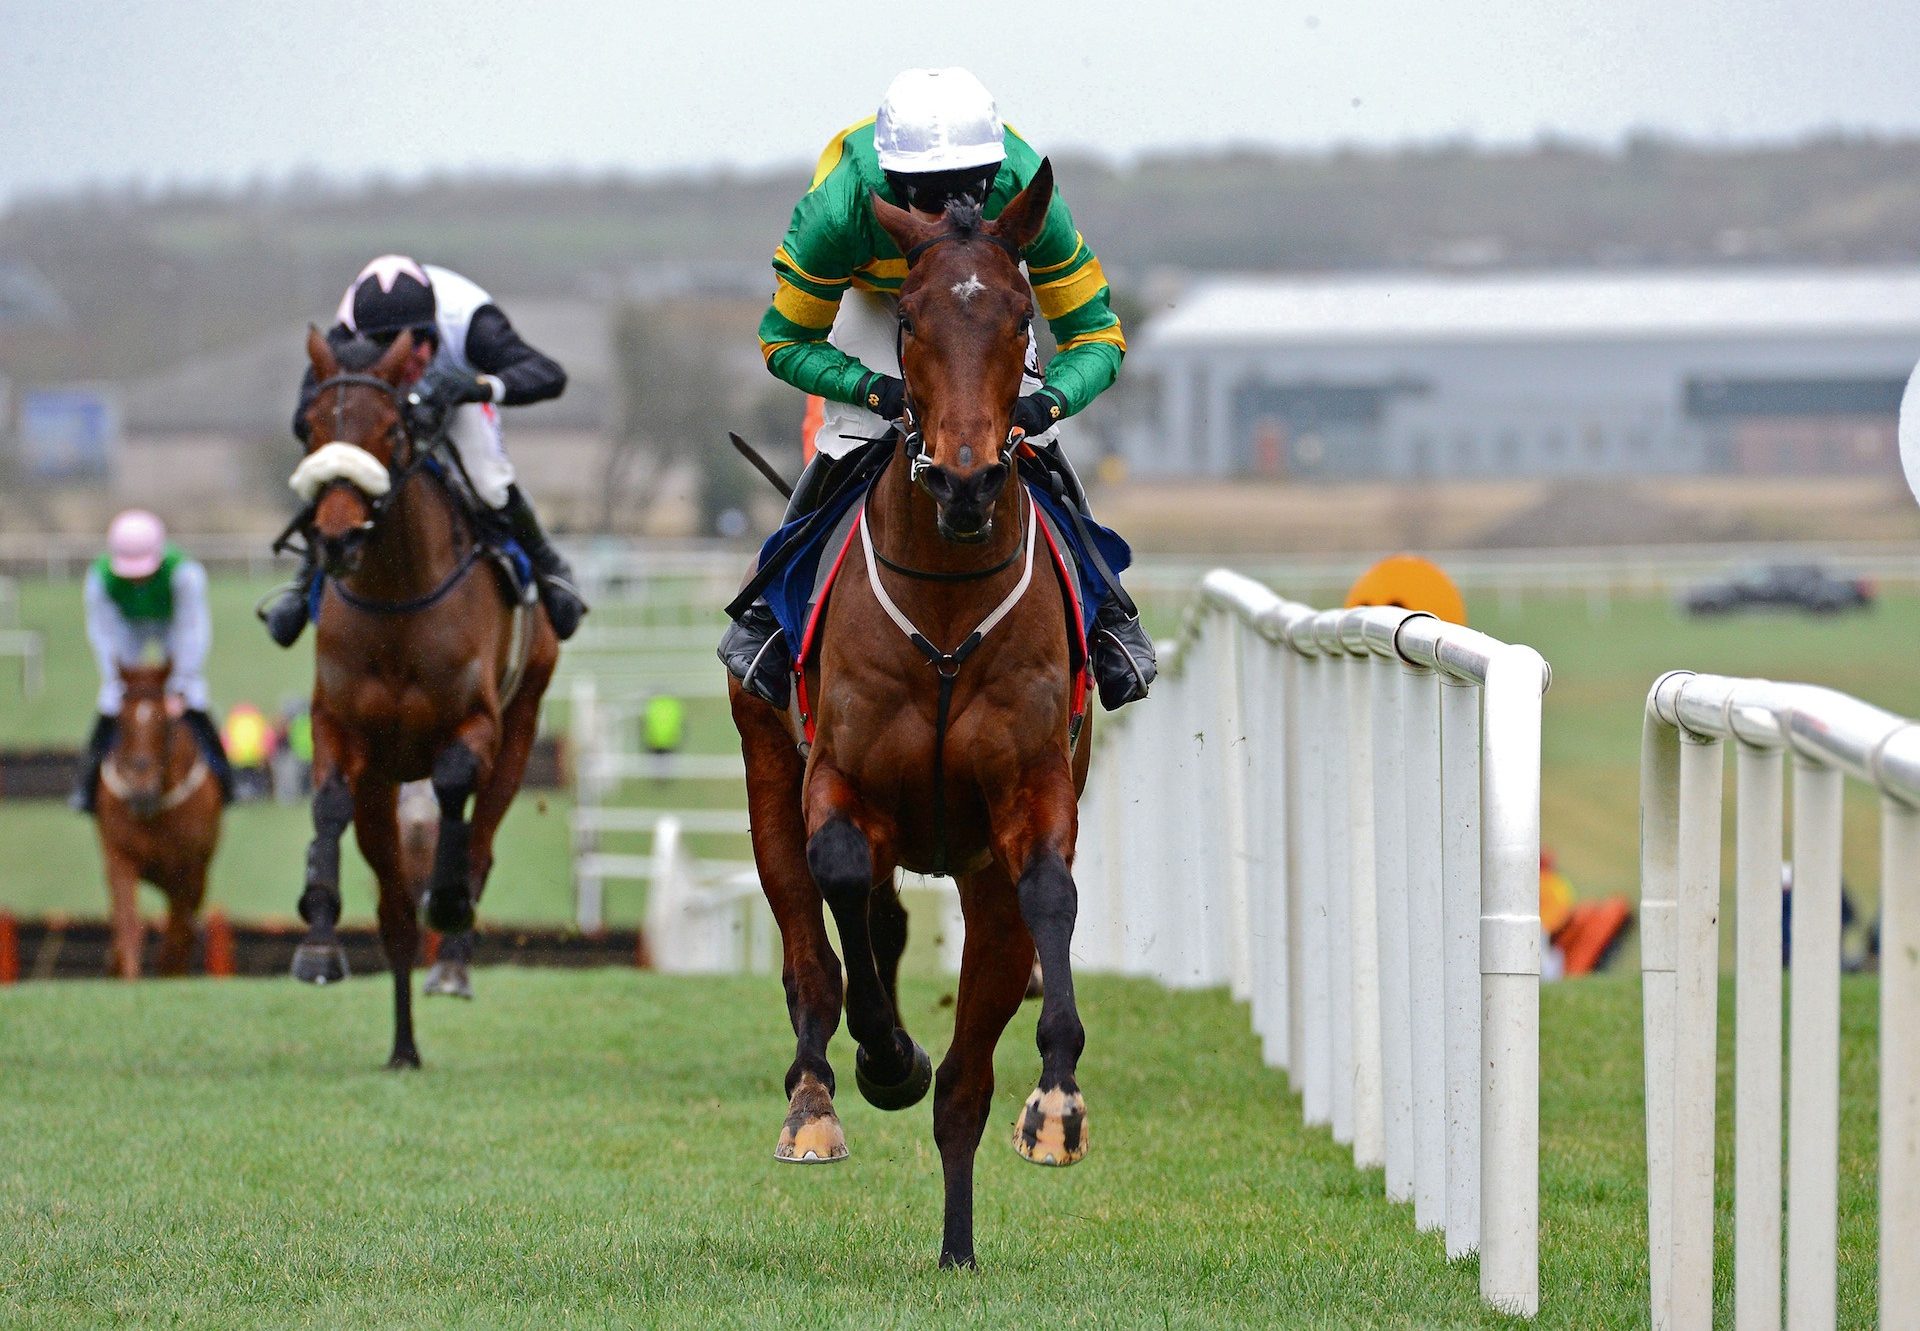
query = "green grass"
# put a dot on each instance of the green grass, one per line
(595, 1149)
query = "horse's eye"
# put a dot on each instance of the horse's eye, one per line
(906, 326)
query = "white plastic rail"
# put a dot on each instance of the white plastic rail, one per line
(1831, 736)
(1337, 813)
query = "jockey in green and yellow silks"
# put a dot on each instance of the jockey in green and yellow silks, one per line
(831, 327)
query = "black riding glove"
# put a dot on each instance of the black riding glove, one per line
(439, 391)
(885, 396)
(1036, 413)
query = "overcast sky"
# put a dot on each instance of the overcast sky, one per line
(225, 90)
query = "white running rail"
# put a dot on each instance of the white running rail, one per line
(1831, 736)
(1337, 813)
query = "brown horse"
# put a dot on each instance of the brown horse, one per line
(159, 821)
(420, 672)
(950, 751)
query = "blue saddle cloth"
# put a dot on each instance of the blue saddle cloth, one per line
(791, 592)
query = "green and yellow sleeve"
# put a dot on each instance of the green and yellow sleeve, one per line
(1071, 290)
(812, 269)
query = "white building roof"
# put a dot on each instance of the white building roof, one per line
(1430, 307)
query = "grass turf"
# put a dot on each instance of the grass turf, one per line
(589, 1149)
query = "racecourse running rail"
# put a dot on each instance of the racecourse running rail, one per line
(1338, 814)
(1831, 736)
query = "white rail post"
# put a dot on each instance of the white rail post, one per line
(1696, 1001)
(1659, 944)
(1420, 717)
(1460, 865)
(1899, 1062)
(1289, 863)
(1391, 911)
(1759, 801)
(1227, 749)
(1813, 1118)
(1313, 715)
(1510, 983)
(1369, 1116)
(1338, 838)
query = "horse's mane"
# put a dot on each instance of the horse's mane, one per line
(965, 217)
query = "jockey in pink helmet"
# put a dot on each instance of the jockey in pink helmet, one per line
(144, 593)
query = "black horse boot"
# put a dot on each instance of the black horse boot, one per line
(565, 605)
(749, 648)
(207, 736)
(1120, 652)
(86, 787)
(284, 611)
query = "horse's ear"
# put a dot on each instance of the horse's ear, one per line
(393, 362)
(1020, 221)
(320, 352)
(906, 229)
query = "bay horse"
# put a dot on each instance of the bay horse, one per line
(158, 821)
(942, 739)
(419, 670)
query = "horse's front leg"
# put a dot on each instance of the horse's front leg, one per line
(847, 862)
(319, 959)
(1034, 831)
(376, 825)
(460, 769)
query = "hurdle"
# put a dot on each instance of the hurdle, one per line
(1337, 813)
(1830, 737)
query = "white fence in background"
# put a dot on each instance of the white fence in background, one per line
(1830, 736)
(1338, 814)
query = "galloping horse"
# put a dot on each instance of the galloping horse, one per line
(942, 736)
(159, 821)
(423, 670)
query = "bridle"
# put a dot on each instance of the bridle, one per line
(171, 797)
(912, 442)
(409, 460)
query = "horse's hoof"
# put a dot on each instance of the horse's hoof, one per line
(404, 1060)
(957, 1261)
(811, 1135)
(904, 1094)
(449, 978)
(320, 963)
(1053, 1128)
(450, 910)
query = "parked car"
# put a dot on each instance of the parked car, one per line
(1781, 586)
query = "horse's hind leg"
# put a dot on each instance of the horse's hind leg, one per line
(319, 959)
(893, 1071)
(809, 969)
(376, 825)
(123, 899)
(994, 966)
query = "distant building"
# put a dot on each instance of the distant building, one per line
(1773, 372)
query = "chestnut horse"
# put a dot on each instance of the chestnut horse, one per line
(947, 752)
(159, 821)
(419, 671)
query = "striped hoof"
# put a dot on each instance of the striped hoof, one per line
(1053, 1128)
(449, 978)
(811, 1135)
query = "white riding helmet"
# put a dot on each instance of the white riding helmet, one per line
(937, 120)
(136, 543)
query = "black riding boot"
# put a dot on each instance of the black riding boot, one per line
(1121, 652)
(207, 736)
(565, 606)
(752, 647)
(86, 787)
(284, 611)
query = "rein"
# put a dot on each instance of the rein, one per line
(946, 665)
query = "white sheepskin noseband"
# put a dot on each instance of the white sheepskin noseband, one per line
(340, 462)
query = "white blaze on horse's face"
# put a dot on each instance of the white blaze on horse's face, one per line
(967, 290)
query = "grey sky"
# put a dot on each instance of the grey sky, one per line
(171, 90)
